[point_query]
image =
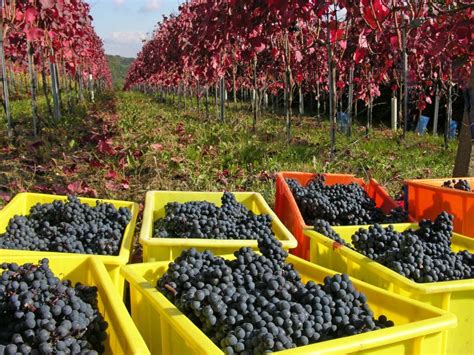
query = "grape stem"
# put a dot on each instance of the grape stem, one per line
(171, 289)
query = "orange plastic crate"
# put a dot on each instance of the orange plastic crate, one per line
(288, 212)
(426, 198)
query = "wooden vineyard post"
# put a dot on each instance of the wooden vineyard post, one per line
(255, 93)
(405, 78)
(33, 86)
(349, 104)
(436, 110)
(54, 86)
(6, 94)
(332, 94)
(207, 102)
(288, 93)
(449, 113)
(301, 99)
(222, 99)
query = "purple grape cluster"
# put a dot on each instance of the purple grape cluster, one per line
(40, 314)
(422, 255)
(69, 227)
(257, 303)
(201, 219)
(460, 184)
(340, 204)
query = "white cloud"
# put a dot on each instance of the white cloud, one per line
(126, 44)
(151, 5)
(124, 37)
(118, 2)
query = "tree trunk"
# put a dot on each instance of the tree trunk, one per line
(436, 111)
(198, 97)
(216, 89)
(369, 117)
(6, 95)
(325, 104)
(350, 99)
(301, 99)
(45, 87)
(76, 88)
(255, 94)
(222, 94)
(405, 79)
(184, 96)
(178, 96)
(288, 91)
(332, 96)
(80, 85)
(449, 112)
(318, 99)
(464, 164)
(333, 107)
(207, 102)
(399, 106)
(15, 88)
(70, 96)
(33, 86)
(234, 85)
(68, 88)
(54, 85)
(58, 86)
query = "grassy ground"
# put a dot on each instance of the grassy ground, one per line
(128, 143)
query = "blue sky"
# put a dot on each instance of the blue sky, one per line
(122, 24)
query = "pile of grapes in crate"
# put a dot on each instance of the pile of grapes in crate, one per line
(69, 227)
(257, 302)
(202, 219)
(250, 302)
(422, 255)
(340, 204)
(40, 314)
(460, 184)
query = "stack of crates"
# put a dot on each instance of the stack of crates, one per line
(21, 204)
(287, 209)
(102, 271)
(419, 327)
(431, 318)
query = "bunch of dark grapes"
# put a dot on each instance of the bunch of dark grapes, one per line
(323, 227)
(201, 219)
(40, 314)
(257, 304)
(340, 204)
(460, 184)
(422, 255)
(69, 227)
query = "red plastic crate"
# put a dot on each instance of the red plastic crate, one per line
(426, 199)
(288, 212)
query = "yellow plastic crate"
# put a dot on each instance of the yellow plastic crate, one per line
(21, 205)
(167, 249)
(419, 328)
(454, 296)
(122, 335)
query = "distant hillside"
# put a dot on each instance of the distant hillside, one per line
(118, 67)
